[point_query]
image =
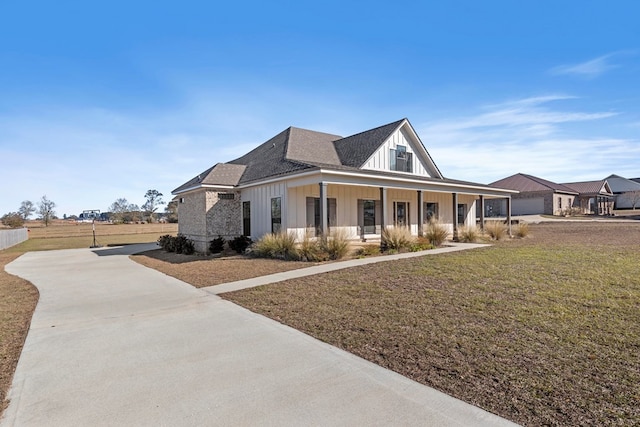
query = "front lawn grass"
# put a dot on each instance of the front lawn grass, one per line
(543, 330)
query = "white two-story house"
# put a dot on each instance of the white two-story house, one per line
(304, 181)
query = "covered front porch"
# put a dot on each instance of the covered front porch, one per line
(363, 211)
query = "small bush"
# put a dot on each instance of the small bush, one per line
(217, 245)
(421, 244)
(240, 244)
(468, 234)
(368, 250)
(435, 233)
(179, 244)
(336, 245)
(183, 245)
(281, 246)
(522, 230)
(166, 243)
(495, 229)
(397, 238)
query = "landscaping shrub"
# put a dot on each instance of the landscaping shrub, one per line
(166, 242)
(309, 250)
(336, 245)
(522, 230)
(281, 246)
(435, 233)
(367, 250)
(397, 238)
(468, 234)
(240, 244)
(495, 229)
(179, 244)
(217, 245)
(421, 244)
(183, 245)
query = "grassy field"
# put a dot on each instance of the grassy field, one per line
(18, 297)
(542, 331)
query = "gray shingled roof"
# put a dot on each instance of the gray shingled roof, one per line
(308, 146)
(529, 183)
(220, 174)
(294, 150)
(355, 150)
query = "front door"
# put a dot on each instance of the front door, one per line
(462, 213)
(401, 214)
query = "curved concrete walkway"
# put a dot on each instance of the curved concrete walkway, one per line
(115, 343)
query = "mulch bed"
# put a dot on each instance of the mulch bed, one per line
(201, 271)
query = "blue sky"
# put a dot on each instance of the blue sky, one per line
(104, 100)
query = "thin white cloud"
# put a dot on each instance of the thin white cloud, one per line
(525, 112)
(528, 136)
(588, 69)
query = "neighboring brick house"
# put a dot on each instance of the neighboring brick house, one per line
(304, 181)
(540, 196)
(535, 196)
(594, 197)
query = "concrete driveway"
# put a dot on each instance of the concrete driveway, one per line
(115, 343)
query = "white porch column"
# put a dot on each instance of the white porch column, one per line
(481, 212)
(455, 216)
(324, 223)
(420, 213)
(509, 215)
(383, 209)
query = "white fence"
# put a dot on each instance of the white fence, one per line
(12, 237)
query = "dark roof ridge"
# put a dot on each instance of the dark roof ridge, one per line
(374, 129)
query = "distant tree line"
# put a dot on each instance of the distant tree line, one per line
(120, 211)
(45, 210)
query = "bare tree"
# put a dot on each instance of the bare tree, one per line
(633, 197)
(154, 200)
(45, 210)
(26, 209)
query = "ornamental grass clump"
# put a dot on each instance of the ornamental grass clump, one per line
(397, 238)
(309, 249)
(468, 234)
(522, 230)
(336, 245)
(281, 246)
(435, 233)
(496, 229)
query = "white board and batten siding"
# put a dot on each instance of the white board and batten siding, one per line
(380, 161)
(260, 199)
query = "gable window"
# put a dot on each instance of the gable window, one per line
(276, 214)
(313, 213)
(400, 160)
(430, 212)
